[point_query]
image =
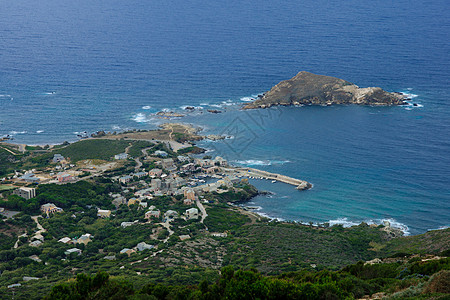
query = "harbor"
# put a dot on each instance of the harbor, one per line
(251, 172)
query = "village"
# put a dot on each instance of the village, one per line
(147, 215)
(181, 178)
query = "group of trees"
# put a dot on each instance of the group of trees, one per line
(250, 284)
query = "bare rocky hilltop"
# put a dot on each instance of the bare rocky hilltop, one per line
(311, 89)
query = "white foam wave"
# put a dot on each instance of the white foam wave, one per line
(228, 102)
(208, 150)
(204, 104)
(269, 217)
(393, 223)
(146, 107)
(343, 221)
(247, 99)
(184, 107)
(115, 127)
(408, 94)
(252, 162)
(440, 228)
(254, 208)
(39, 131)
(17, 132)
(6, 96)
(412, 105)
(253, 97)
(140, 118)
(409, 97)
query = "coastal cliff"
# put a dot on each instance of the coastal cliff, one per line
(310, 89)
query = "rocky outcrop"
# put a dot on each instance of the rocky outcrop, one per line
(311, 89)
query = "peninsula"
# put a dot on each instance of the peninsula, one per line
(310, 89)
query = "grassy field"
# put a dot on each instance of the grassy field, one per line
(7, 161)
(93, 149)
(138, 146)
(5, 187)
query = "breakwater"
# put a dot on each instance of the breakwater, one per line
(251, 172)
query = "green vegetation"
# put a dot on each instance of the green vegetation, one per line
(163, 147)
(136, 150)
(430, 242)
(6, 187)
(14, 202)
(85, 149)
(191, 150)
(92, 149)
(249, 284)
(7, 161)
(277, 247)
(243, 193)
(81, 193)
(273, 259)
(222, 219)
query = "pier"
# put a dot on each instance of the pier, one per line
(251, 172)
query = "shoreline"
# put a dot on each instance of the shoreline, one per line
(201, 128)
(256, 173)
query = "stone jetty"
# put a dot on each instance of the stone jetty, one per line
(298, 183)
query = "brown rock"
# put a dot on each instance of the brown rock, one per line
(311, 89)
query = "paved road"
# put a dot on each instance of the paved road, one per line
(16, 245)
(203, 211)
(39, 226)
(167, 226)
(139, 163)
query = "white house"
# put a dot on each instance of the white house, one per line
(25, 192)
(73, 250)
(125, 179)
(191, 213)
(103, 213)
(121, 156)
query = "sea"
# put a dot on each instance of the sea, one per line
(72, 66)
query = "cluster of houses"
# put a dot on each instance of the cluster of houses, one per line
(61, 174)
(169, 178)
(84, 239)
(139, 247)
(172, 177)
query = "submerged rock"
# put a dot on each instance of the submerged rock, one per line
(311, 89)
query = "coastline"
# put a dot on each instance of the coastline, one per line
(195, 129)
(234, 107)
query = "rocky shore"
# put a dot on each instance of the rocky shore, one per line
(310, 89)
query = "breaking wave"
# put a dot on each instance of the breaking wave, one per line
(250, 98)
(440, 228)
(6, 96)
(140, 118)
(252, 162)
(393, 223)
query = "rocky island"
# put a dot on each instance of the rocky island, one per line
(310, 89)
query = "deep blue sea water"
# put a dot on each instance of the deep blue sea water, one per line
(70, 66)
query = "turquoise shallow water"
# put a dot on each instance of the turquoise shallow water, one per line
(67, 67)
(362, 166)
